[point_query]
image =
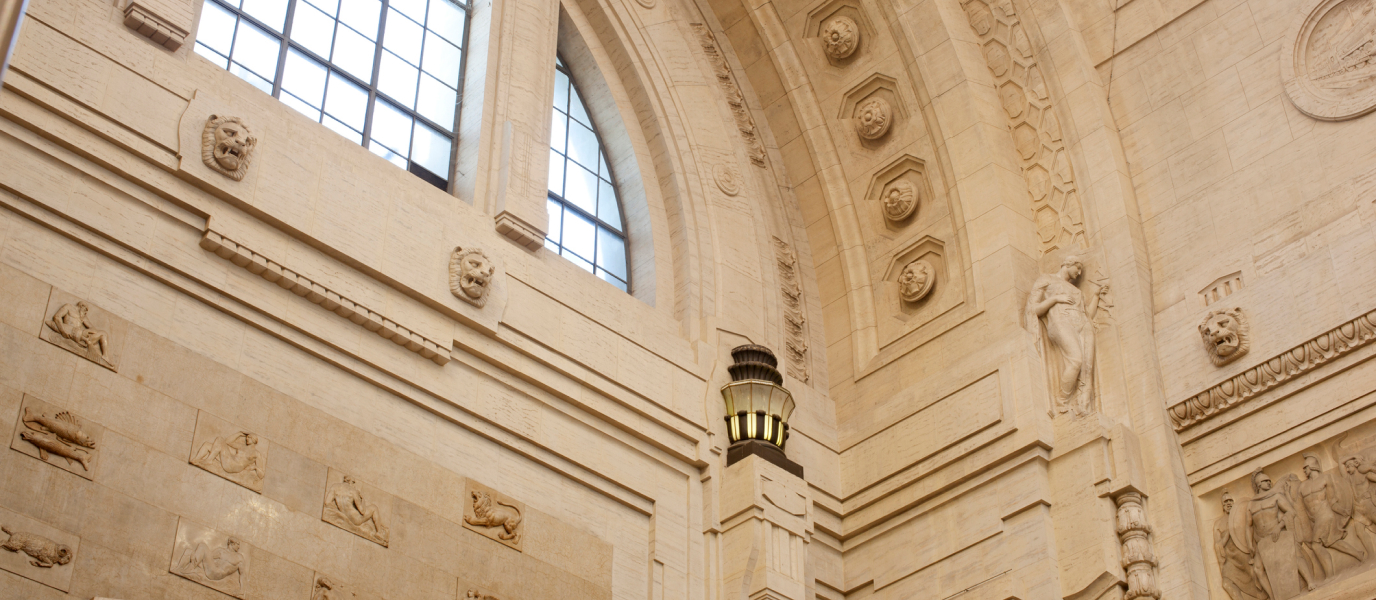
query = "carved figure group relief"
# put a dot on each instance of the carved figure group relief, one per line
(73, 328)
(1225, 335)
(227, 146)
(1058, 308)
(470, 275)
(1139, 561)
(916, 280)
(1329, 64)
(238, 457)
(873, 117)
(347, 508)
(840, 37)
(43, 552)
(211, 559)
(795, 318)
(494, 516)
(57, 437)
(1022, 91)
(726, 80)
(900, 200)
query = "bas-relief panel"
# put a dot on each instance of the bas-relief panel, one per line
(83, 329)
(494, 515)
(357, 508)
(230, 452)
(1328, 60)
(210, 558)
(58, 437)
(37, 551)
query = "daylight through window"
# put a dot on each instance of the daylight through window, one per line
(585, 223)
(398, 98)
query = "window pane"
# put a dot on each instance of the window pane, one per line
(556, 173)
(353, 53)
(248, 76)
(609, 278)
(576, 109)
(437, 101)
(312, 29)
(431, 150)
(556, 219)
(561, 91)
(397, 79)
(392, 127)
(573, 258)
(362, 15)
(213, 56)
(301, 106)
(217, 29)
(342, 129)
(441, 59)
(412, 8)
(329, 7)
(582, 145)
(272, 13)
(346, 102)
(579, 234)
(608, 209)
(580, 187)
(611, 253)
(305, 79)
(558, 130)
(403, 37)
(446, 20)
(257, 51)
(602, 170)
(388, 155)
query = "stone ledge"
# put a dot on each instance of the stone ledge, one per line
(148, 24)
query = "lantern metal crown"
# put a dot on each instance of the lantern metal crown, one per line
(757, 405)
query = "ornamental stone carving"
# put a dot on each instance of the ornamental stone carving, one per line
(227, 146)
(900, 200)
(234, 454)
(728, 179)
(873, 118)
(350, 507)
(916, 281)
(74, 328)
(43, 552)
(1139, 561)
(840, 37)
(210, 558)
(1328, 62)
(1232, 548)
(57, 437)
(494, 515)
(1225, 335)
(470, 275)
(1065, 318)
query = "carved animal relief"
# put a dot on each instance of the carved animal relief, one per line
(227, 146)
(210, 558)
(74, 328)
(470, 275)
(57, 437)
(840, 37)
(1064, 320)
(1329, 62)
(237, 455)
(1036, 131)
(43, 552)
(1225, 334)
(348, 507)
(494, 515)
(900, 200)
(916, 281)
(873, 118)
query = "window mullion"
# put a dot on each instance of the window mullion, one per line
(372, 87)
(282, 54)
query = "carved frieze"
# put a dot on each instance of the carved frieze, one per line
(210, 558)
(1139, 561)
(83, 329)
(357, 508)
(494, 515)
(58, 437)
(916, 281)
(795, 313)
(1277, 370)
(1328, 61)
(1064, 319)
(840, 37)
(329, 299)
(227, 146)
(1032, 121)
(37, 551)
(1225, 335)
(234, 454)
(470, 275)
(726, 80)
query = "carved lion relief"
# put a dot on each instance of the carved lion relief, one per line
(840, 37)
(227, 146)
(470, 275)
(1329, 63)
(916, 281)
(873, 118)
(58, 437)
(1225, 334)
(494, 515)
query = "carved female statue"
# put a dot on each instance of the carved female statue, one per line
(1236, 556)
(1057, 301)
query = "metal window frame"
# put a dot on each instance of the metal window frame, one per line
(287, 45)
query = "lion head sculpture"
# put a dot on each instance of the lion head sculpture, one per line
(1225, 336)
(470, 275)
(227, 146)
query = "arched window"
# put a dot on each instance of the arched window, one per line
(585, 219)
(398, 98)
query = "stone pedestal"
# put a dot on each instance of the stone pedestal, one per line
(766, 527)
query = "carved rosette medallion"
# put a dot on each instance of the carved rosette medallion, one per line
(1329, 62)
(873, 118)
(1225, 335)
(916, 281)
(840, 37)
(470, 275)
(728, 179)
(900, 200)
(227, 146)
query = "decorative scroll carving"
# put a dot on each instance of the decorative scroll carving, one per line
(347, 508)
(494, 515)
(1138, 559)
(211, 559)
(840, 37)
(873, 118)
(470, 275)
(325, 297)
(900, 200)
(58, 437)
(1225, 335)
(916, 281)
(147, 23)
(1329, 63)
(73, 328)
(43, 552)
(1036, 131)
(239, 456)
(795, 319)
(745, 124)
(728, 179)
(227, 146)
(1279, 369)
(1057, 302)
